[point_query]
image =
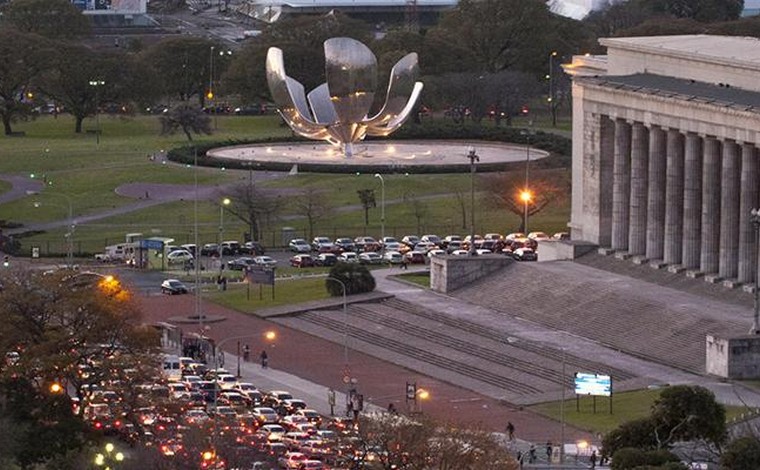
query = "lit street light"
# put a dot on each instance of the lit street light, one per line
(111, 457)
(97, 84)
(473, 158)
(525, 197)
(755, 219)
(382, 209)
(225, 202)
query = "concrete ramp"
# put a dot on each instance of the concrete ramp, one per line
(654, 322)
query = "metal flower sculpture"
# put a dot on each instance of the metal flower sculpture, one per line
(337, 111)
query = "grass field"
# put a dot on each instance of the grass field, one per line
(286, 291)
(626, 406)
(78, 170)
(421, 279)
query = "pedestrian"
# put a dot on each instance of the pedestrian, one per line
(355, 406)
(549, 451)
(404, 263)
(219, 282)
(532, 454)
(224, 283)
(511, 430)
(264, 359)
(392, 409)
(520, 458)
(147, 195)
(592, 459)
(246, 353)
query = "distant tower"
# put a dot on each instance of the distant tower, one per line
(412, 17)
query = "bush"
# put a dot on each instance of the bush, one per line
(741, 454)
(355, 277)
(629, 458)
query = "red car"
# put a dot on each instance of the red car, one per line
(302, 261)
(414, 257)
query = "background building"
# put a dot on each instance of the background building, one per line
(665, 158)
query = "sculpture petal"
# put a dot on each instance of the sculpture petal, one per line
(399, 119)
(319, 99)
(400, 86)
(351, 71)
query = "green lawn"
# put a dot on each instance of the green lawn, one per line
(286, 291)
(626, 406)
(421, 279)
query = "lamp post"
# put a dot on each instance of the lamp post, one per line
(111, 457)
(382, 209)
(525, 196)
(473, 157)
(210, 93)
(97, 84)
(346, 367)
(550, 77)
(755, 219)
(224, 202)
(71, 226)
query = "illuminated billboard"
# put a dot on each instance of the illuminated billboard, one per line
(593, 384)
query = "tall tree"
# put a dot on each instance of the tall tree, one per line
(253, 206)
(314, 205)
(189, 119)
(368, 201)
(23, 56)
(55, 19)
(689, 413)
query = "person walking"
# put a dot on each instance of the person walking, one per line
(264, 359)
(331, 401)
(592, 459)
(246, 353)
(532, 454)
(511, 430)
(549, 451)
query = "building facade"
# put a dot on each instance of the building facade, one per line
(665, 152)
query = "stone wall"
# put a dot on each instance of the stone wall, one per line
(563, 250)
(733, 358)
(448, 273)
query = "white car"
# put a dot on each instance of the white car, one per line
(483, 251)
(266, 261)
(538, 236)
(393, 257)
(274, 432)
(437, 252)
(299, 245)
(460, 252)
(370, 257)
(392, 246)
(226, 381)
(348, 257)
(179, 256)
(266, 415)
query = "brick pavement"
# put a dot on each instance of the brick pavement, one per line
(321, 362)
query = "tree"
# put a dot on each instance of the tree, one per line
(182, 66)
(636, 434)
(301, 39)
(629, 458)
(314, 205)
(356, 278)
(741, 454)
(55, 19)
(23, 57)
(700, 10)
(253, 206)
(367, 199)
(83, 80)
(689, 413)
(189, 119)
(504, 191)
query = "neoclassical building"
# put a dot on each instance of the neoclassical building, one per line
(666, 132)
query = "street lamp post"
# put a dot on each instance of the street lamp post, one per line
(552, 104)
(225, 202)
(110, 459)
(97, 84)
(755, 219)
(525, 196)
(382, 209)
(71, 226)
(473, 157)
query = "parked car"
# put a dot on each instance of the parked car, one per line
(453, 246)
(410, 240)
(466, 242)
(265, 261)
(538, 236)
(241, 264)
(322, 245)
(460, 253)
(424, 247)
(434, 239)
(392, 246)
(326, 259)
(348, 257)
(561, 236)
(189, 247)
(414, 257)
(302, 261)
(345, 244)
(179, 256)
(230, 247)
(385, 240)
(299, 245)
(210, 249)
(173, 286)
(366, 244)
(524, 254)
(252, 248)
(436, 252)
(393, 257)
(493, 236)
(450, 238)
(513, 236)
(370, 257)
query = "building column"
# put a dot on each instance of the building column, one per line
(749, 201)
(674, 198)
(711, 170)
(728, 266)
(606, 159)
(637, 235)
(621, 185)
(692, 202)
(656, 193)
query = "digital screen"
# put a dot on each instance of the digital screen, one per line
(593, 384)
